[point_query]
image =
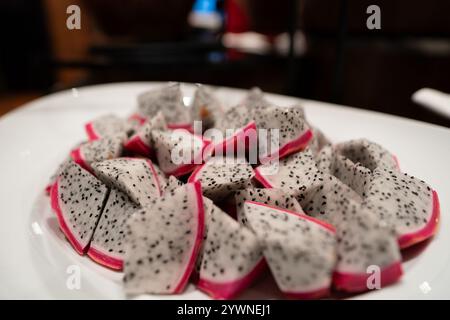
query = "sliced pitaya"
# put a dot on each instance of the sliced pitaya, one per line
(108, 242)
(281, 131)
(77, 198)
(163, 241)
(222, 176)
(404, 202)
(273, 197)
(363, 240)
(364, 243)
(231, 256)
(141, 142)
(169, 100)
(107, 126)
(300, 250)
(179, 151)
(138, 178)
(205, 107)
(97, 150)
(171, 185)
(369, 154)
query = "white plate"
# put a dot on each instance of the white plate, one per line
(36, 260)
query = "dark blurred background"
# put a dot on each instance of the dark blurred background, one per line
(316, 49)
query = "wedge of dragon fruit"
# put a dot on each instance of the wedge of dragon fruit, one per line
(222, 176)
(285, 132)
(77, 198)
(107, 126)
(404, 202)
(138, 178)
(141, 142)
(231, 256)
(205, 107)
(363, 240)
(179, 151)
(97, 150)
(163, 242)
(168, 100)
(273, 197)
(300, 250)
(107, 246)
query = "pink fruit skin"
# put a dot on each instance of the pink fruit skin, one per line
(185, 169)
(231, 142)
(396, 162)
(136, 145)
(186, 126)
(310, 295)
(350, 282)
(78, 158)
(260, 178)
(54, 196)
(105, 260)
(293, 146)
(193, 176)
(229, 290)
(301, 215)
(198, 240)
(409, 239)
(92, 135)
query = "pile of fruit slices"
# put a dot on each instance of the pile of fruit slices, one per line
(317, 216)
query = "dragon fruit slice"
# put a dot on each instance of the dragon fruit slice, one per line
(108, 241)
(369, 154)
(97, 150)
(405, 202)
(171, 185)
(179, 151)
(163, 241)
(273, 197)
(77, 198)
(168, 100)
(300, 250)
(205, 107)
(292, 136)
(363, 240)
(107, 126)
(222, 176)
(141, 142)
(138, 178)
(231, 256)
